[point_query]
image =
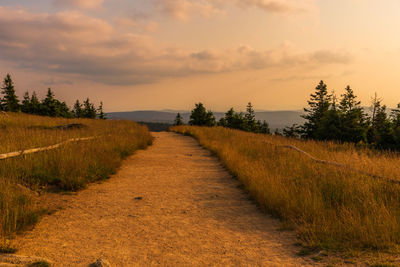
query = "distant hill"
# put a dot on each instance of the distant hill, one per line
(281, 119)
(276, 119)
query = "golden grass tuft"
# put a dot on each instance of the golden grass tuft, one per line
(67, 168)
(330, 207)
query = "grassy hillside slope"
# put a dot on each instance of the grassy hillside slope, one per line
(330, 207)
(69, 167)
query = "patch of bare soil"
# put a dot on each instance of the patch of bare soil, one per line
(171, 205)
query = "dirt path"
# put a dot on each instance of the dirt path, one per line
(192, 213)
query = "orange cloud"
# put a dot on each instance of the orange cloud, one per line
(185, 9)
(137, 24)
(84, 4)
(278, 6)
(77, 44)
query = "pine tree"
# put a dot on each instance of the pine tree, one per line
(395, 116)
(52, 107)
(200, 117)
(348, 102)
(35, 106)
(210, 119)
(78, 112)
(381, 131)
(89, 111)
(222, 122)
(100, 114)
(250, 118)
(293, 131)
(62, 110)
(26, 103)
(375, 104)
(329, 126)
(10, 100)
(354, 125)
(231, 119)
(48, 104)
(178, 120)
(263, 127)
(319, 105)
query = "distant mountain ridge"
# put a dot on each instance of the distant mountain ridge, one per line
(276, 119)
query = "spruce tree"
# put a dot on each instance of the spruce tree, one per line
(52, 107)
(375, 104)
(230, 118)
(62, 110)
(395, 116)
(250, 117)
(210, 119)
(35, 106)
(78, 112)
(178, 120)
(200, 117)
(319, 104)
(235, 120)
(354, 125)
(329, 126)
(381, 131)
(48, 104)
(89, 111)
(348, 101)
(10, 100)
(222, 122)
(100, 113)
(263, 127)
(293, 131)
(26, 103)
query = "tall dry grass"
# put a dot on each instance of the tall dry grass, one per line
(329, 207)
(69, 167)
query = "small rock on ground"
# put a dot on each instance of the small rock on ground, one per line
(101, 263)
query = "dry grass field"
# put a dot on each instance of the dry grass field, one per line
(67, 168)
(329, 207)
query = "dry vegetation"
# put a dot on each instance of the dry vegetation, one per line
(67, 168)
(330, 207)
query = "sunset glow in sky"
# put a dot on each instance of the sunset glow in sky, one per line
(169, 54)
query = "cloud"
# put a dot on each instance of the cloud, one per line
(326, 56)
(247, 58)
(78, 45)
(84, 4)
(137, 24)
(52, 82)
(185, 9)
(276, 6)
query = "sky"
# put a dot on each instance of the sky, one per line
(170, 54)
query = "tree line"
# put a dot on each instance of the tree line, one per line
(327, 118)
(235, 120)
(48, 106)
(345, 120)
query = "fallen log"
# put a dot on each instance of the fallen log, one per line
(332, 163)
(39, 149)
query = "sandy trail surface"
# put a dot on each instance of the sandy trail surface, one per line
(171, 205)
